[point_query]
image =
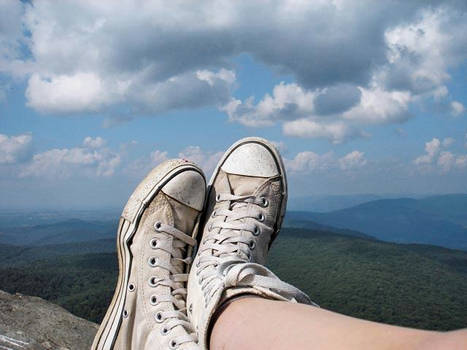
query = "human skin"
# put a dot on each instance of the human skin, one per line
(256, 323)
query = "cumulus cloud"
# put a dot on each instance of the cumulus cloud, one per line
(436, 157)
(308, 162)
(205, 159)
(81, 92)
(288, 102)
(90, 160)
(14, 149)
(378, 106)
(349, 70)
(96, 142)
(355, 159)
(457, 108)
(448, 141)
(432, 149)
(336, 132)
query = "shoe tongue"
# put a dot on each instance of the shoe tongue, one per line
(245, 185)
(184, 216)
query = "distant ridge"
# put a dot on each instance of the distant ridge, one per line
(439, 220)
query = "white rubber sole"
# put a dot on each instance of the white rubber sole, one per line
(279, 163)
(127, 227)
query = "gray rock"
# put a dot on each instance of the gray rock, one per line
(31, 323)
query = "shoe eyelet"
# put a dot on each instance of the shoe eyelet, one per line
(218, 197)
(157, 226)
(252, 244)
(152, 281)
(152, 261)
(261, 217)
(153, 300)
(256, 231)
(164, 331)
(125, 314)
(131, 287)
(264, 202)
(158, 317)
(173, 344)
(153, 243)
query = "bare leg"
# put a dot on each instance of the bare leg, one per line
(255, 323)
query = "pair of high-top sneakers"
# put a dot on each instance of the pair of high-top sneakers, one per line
(159, 303)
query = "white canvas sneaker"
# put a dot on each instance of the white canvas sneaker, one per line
(156, 232)
(245, 207)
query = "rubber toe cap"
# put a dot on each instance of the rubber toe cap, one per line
(188, 187)
(251, 159)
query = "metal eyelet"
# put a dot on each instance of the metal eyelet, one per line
(256, 231)
(264, 202)
(152, 281)
(158, 317)
(153, 300)
(173, 344)
(157, 225)
(153, 243)
(152, 261)
(131, 287)
(261, 217)
(252, 244)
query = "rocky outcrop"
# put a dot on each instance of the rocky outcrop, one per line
(31, 323)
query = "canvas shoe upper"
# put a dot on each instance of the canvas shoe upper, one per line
(156, 234)
(245, 206)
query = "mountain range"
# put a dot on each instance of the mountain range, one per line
(438, 220)
(412, 285)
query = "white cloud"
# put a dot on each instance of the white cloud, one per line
(432, 149)
(151, 58)
(457, 108)
(446, 160)
(81, 92)
(14, 149)
(436, 157)
(206, 160)
(288, 102)
(96, 142)
(308, 162)
(378, 106)
(355, 159)
(67, 162)
(448, 141)
(158, 157)
(336, 132)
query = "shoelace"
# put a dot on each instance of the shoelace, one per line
(177, 317)
(225, 256)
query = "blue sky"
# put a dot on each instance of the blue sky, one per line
(364, 97)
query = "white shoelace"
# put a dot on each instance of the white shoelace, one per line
(177, 317)
(224, 260)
